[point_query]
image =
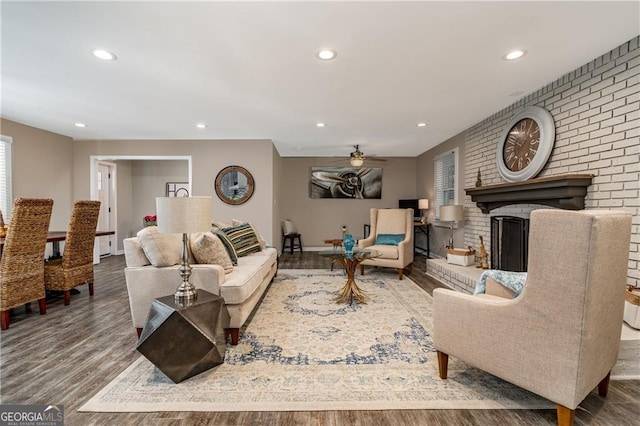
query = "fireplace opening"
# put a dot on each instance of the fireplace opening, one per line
(509, 243)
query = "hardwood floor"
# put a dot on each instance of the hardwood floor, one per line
(69, 354)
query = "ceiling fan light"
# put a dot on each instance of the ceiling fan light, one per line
(356, 161)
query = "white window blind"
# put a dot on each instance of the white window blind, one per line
(6, 196)
(445, 166)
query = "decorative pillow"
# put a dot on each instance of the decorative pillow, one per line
(388, 239)
(208, 249)
(228, 245)
(288, 228)
(263, 242)
(243, 238)
(221, 225)
(160, 249)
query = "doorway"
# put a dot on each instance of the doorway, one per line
(105, 187)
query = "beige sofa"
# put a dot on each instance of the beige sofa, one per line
(241, 289)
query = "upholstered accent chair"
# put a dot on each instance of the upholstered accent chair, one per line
(560, 337)
(22, 262)
(76, 265)
(391, 236)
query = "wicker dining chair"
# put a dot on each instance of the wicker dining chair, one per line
(76, 265)
(22, 262)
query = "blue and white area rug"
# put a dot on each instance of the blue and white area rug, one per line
(302, 351)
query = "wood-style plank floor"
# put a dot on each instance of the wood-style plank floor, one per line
(69, 354)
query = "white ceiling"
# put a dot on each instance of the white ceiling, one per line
(248, 69)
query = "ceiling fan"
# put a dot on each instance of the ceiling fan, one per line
(357, 157)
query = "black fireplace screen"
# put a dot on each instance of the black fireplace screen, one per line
(509, 243)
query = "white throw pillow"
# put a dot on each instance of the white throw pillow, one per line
(288, 227)
(160, 249)
(208, 249)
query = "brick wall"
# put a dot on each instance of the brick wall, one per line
(596, 110)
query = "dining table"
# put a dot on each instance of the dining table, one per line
(54, 237)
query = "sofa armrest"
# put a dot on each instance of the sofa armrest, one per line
(146, 283)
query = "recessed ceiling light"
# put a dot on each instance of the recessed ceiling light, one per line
(326, 54)
(201, 126)
(421, 124)
(104, 55)
(514, 54)
(320, 124)
(80, 125)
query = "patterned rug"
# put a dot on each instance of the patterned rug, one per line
(302, 351)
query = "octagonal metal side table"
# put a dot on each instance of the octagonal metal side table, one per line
(183, 341)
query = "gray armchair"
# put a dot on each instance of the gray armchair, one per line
(390, 222)
(560, 337)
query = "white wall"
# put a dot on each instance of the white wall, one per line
(596, 110)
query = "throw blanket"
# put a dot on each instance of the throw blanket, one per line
(512, 280)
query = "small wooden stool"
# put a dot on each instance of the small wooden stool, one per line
(292, 242)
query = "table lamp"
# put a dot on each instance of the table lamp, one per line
(423, 204)
(452, 213)
(184, 215)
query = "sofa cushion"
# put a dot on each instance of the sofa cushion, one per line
(160, 249)
(385, 251)
(228, 245)
(389, 239)
(208, 249)
(247, 277)
(243, 238)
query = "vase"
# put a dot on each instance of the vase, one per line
(348, 241)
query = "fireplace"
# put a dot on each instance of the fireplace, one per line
(509, 243)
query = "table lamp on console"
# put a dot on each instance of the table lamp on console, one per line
(451, 214)
(184, 215)
(423, 204)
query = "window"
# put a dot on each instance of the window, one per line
(445, 166)
(6, 196)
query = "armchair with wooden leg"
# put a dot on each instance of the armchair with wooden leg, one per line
(22, 262)
(391, 236)
(560, 337)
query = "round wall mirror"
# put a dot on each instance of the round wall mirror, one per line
(234, 185)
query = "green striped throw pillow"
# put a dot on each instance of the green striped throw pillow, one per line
(243, 238)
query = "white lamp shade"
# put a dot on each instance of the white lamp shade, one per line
(453, 213)
(423, 204)
(177, 215)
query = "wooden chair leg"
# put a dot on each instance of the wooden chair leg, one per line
(400, 273)
(565, 415)
(67, 297)
(443, 364)
(42, 306)
(5, 319)
(139, 331)
(410, 267)
(603, 386)
(234, 333)
(91, 289)
(27, 308)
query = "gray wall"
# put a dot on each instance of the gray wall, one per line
(42, 168)
(209, 157)
(320, 219)
(439, 237)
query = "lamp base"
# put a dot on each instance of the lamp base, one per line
(186, 293)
